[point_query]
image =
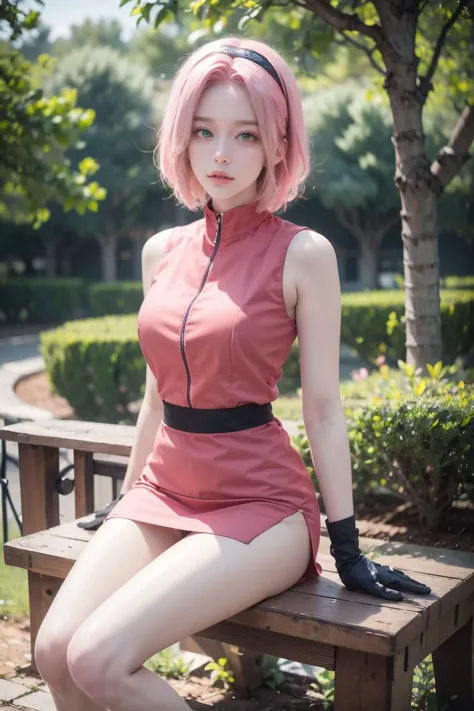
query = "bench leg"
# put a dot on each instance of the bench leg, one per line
(245, 664)
(453, 667)
(369, 681)
(42, 590)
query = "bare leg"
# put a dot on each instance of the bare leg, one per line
(116, 552)
(201, 580)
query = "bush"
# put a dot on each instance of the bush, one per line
(118, 297)
(412, 436)
(41, 300)
(422, 450)
(457, 282)
(97, 365)
(373, 322)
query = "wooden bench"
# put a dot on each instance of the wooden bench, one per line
(373, 645)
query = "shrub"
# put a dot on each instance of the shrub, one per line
(97, 365)
(412, 436)
(118, 297)
(41, 300)
(373, 322)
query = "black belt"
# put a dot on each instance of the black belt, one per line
(209, 421)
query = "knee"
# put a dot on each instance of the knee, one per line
(90, 668)
(50, 654)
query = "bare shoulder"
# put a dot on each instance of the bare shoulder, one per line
(152, 252)
(311, 255)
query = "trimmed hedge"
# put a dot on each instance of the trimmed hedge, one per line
(97, 365)
(41, 300)
(365, 317)
(119, 297)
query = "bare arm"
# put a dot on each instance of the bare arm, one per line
(151, 411)
(318, 318)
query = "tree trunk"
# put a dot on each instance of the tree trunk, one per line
(108, 246)
(369, 264)
(416, 185)
(50, 248)
(369, 238)
(137, 247)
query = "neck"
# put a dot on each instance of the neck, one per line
(232, 224)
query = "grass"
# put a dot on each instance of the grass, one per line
(288, 407)
(13, 584)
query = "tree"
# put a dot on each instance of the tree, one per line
(34, 131)
(121, 95)
(405, 41)
(352, 171)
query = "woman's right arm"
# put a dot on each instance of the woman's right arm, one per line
(151, 411)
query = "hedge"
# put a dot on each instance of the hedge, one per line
(97, 365)
(42, 300)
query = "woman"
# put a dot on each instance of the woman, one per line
(217, 511)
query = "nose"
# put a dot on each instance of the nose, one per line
(221, 154)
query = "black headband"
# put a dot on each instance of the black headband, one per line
(253, 57)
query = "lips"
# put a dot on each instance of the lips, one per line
(220, 175)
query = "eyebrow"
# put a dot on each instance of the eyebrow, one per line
(239, 121)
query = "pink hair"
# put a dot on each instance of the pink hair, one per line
(277, 185)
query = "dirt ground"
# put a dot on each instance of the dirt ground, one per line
(14, 644)
(35, 390)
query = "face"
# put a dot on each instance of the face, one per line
(225, 137)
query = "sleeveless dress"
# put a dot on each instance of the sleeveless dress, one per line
(214, 331)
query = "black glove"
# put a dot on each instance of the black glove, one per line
(100, 516)
(359, 573)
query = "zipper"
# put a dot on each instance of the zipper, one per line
(203, 282)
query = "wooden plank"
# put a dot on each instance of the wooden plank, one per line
(83, 484)
(440, 630)
(42, 591)
(39, 469)
(453, 663)
(445, 593)
(367, 627)
(440, 561)
(368, 681)
(298, 650)
(96, 437)
(111, 465)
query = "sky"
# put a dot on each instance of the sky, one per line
(60, 14)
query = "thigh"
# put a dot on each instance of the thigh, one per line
(117, 551)
(201, 580)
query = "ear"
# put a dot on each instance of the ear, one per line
(281, 152)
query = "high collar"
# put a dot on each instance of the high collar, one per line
(234, 223)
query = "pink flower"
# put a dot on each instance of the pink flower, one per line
(380, 360)
(361, 374)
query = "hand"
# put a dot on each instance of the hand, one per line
(100, 516)
(358, 573)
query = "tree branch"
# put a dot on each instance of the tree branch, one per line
(452, 157)
(425, 84)
(345, 22)
(369, 52)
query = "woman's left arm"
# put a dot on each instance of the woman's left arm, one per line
(318, 320)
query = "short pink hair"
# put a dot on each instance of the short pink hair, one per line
(278, 184)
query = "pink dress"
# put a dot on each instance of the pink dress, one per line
(215, 332)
